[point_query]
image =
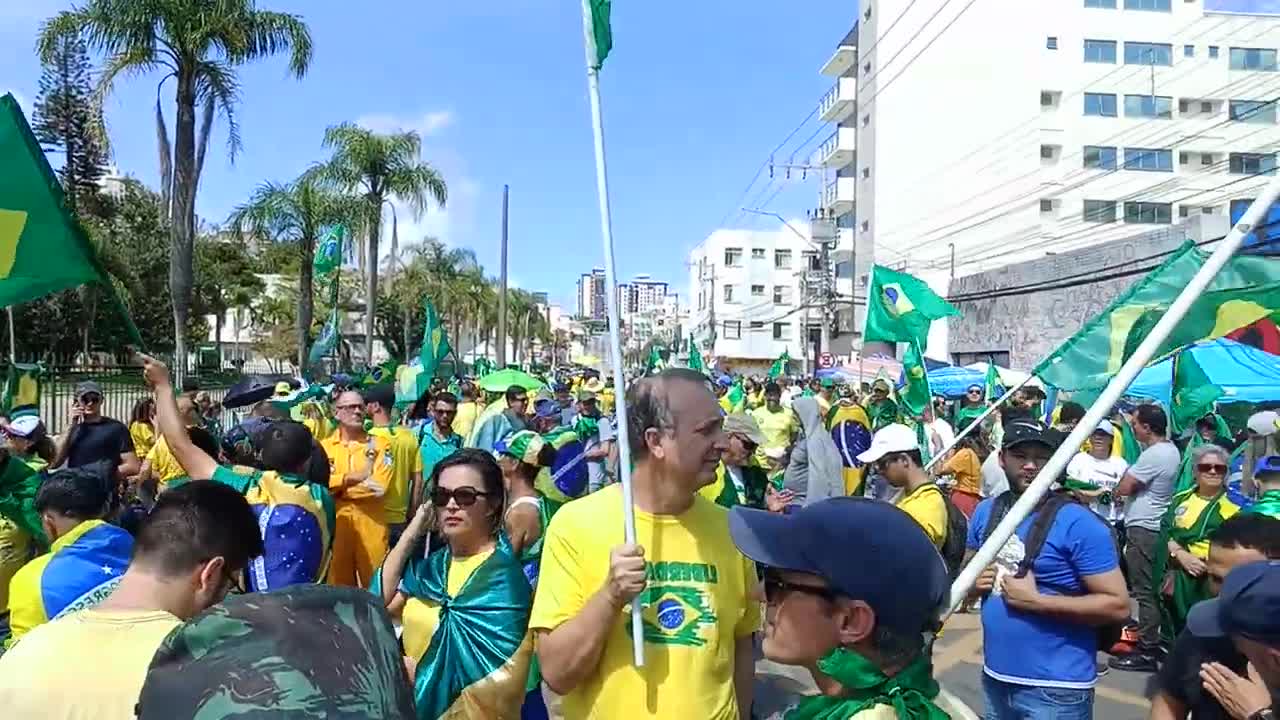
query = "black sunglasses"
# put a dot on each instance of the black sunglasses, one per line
(90, 398)
(464, 496)
(1215, 468)
(775, 588)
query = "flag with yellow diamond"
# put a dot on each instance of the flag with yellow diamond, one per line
(435, 343)
(915, 395)
(42, 247)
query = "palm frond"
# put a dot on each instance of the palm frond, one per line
(270, 33)
(166, 158)
(217, 81)
(416, 185)
(202, 138)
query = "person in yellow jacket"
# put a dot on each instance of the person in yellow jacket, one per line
(468, 410)
(361, 468)
(406, 481)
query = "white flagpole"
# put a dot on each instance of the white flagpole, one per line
(978, 421)
(1116, 388)
(615, 337)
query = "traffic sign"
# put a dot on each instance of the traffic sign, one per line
(826, 360)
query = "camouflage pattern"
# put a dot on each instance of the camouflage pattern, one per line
(309, 651)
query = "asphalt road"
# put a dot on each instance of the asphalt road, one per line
(957, 657)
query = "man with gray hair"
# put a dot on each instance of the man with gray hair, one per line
(694, 587)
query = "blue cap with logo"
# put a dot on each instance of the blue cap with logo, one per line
(1248, 605)
(896, 570)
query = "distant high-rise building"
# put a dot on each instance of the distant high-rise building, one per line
(591, 302)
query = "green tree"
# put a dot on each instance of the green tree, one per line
(380, 168)
(225, 280)
(296, 215)
(64, 120)
(199, 44)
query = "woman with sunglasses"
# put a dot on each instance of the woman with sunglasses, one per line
(1179, 568)
(475, 575)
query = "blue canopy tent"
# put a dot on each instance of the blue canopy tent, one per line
(950, 380)
(1244, 373)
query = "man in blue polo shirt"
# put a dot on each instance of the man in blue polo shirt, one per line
(1039, 630)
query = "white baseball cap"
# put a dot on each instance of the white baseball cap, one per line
(1263, 423)
(24, 426)
(1105, 426)
(893, 438)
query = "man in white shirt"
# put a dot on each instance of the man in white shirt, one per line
(1096, 473)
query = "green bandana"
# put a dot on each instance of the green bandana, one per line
(1268, 504)
(911, 692)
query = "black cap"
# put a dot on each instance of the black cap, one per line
(1025, 430)
(1248, 605)
(896, 569)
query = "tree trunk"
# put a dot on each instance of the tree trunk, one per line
(306, 301)
(217, 335)
(371, 288)
(184, 218)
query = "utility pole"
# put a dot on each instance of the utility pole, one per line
(502, 292)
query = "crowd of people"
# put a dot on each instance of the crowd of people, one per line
(336, 553)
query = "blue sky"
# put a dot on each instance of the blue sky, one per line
(696, 94)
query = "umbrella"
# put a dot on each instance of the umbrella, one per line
(255, 388)
(503, 379)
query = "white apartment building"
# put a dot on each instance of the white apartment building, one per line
(745, 303)
(591, 302)
(972, 136)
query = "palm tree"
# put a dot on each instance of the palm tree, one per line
(298, 213)
(199, 44)
(380, 168)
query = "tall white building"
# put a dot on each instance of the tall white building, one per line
(745, 303)
(972, 136)
(591, 302)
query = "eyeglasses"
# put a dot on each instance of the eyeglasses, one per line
(1211, 468)
(464, 496)
(775, 588)
(346, 408)
(445, 411)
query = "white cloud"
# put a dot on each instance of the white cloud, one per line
(426, 125)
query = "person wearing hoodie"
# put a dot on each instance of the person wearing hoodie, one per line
(815, 471)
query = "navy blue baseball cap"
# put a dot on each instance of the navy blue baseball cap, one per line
(1248, 605)
(1268, 464)
(865, 549)
(546, 408)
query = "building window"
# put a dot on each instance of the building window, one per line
(1252, 164)
(1100, 3)
(1149, 159)
(1148, 213)
(780, 295)
(1206, 159)
(866, 120)
(1100, 104)
(1046, 99)
(1100, 156)
(1184, 210)
(757, 291)
(1155, 5)
(757, 325)
(781, 330)
(1206, 108)
(866, 173)
(1142, 53)
(1259, 59)
(1213, 52)
(732, 329)
(782, 259)
(1051, 42)
(1046, 152)
(1099, 211)
(728, 294)
(1188, 51)
(757, 253)
(1100, 51)
(733, 257)
(1046, 206)
(1252, 111)
(811, 260)
(1147, 106)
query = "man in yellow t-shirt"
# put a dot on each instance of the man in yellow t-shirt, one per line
(778, 423)
(896, 454)
(92, 663)
(468, 410)
(361, 468)
(406, 481)
(694, 587)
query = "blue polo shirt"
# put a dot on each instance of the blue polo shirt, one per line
(1032, 649)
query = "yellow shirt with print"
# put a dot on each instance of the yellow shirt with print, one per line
(144, 437)
(421, 618)
(696, 606)
(778, 427)
(407, 461)
(928, 509)
(89, 664)
(373, 455)
(1188, 514)
(164, 466)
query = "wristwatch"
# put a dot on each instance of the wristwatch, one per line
(1263, 714)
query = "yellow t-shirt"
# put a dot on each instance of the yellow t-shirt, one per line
(15, 551)
(164, 466)
(144, 437)
(89, 664)
(465, 420)
(696, 606)
(421, 618)
(778, 427)
(929, 510)
(1188, 513)
(407, 461)
(355, 457)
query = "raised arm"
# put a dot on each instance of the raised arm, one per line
(196, 462)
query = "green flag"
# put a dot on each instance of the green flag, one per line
(695, 356)
(1193, 394)
(779, 367)
(43, 249)
(328, 254)
(1245, 291)
(435, 343)
(991, 383)
(915, 395)
(599, 34)
(900, 308)
(655, 363)
(327, 341)
(22, 390)
(737, 396)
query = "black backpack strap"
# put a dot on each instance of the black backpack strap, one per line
(1040, 527)
(999, 508)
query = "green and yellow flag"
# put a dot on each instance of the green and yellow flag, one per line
(900, 308)
(435, 343)
(1193, 393)
(22, 390)
(779, 367)
(915, 395)
(695, 356)
(43, 249)
(599, 31)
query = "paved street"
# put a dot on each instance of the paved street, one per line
(958, 666)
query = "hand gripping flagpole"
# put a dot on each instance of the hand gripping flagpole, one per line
(1102, 406)
(615, 338)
